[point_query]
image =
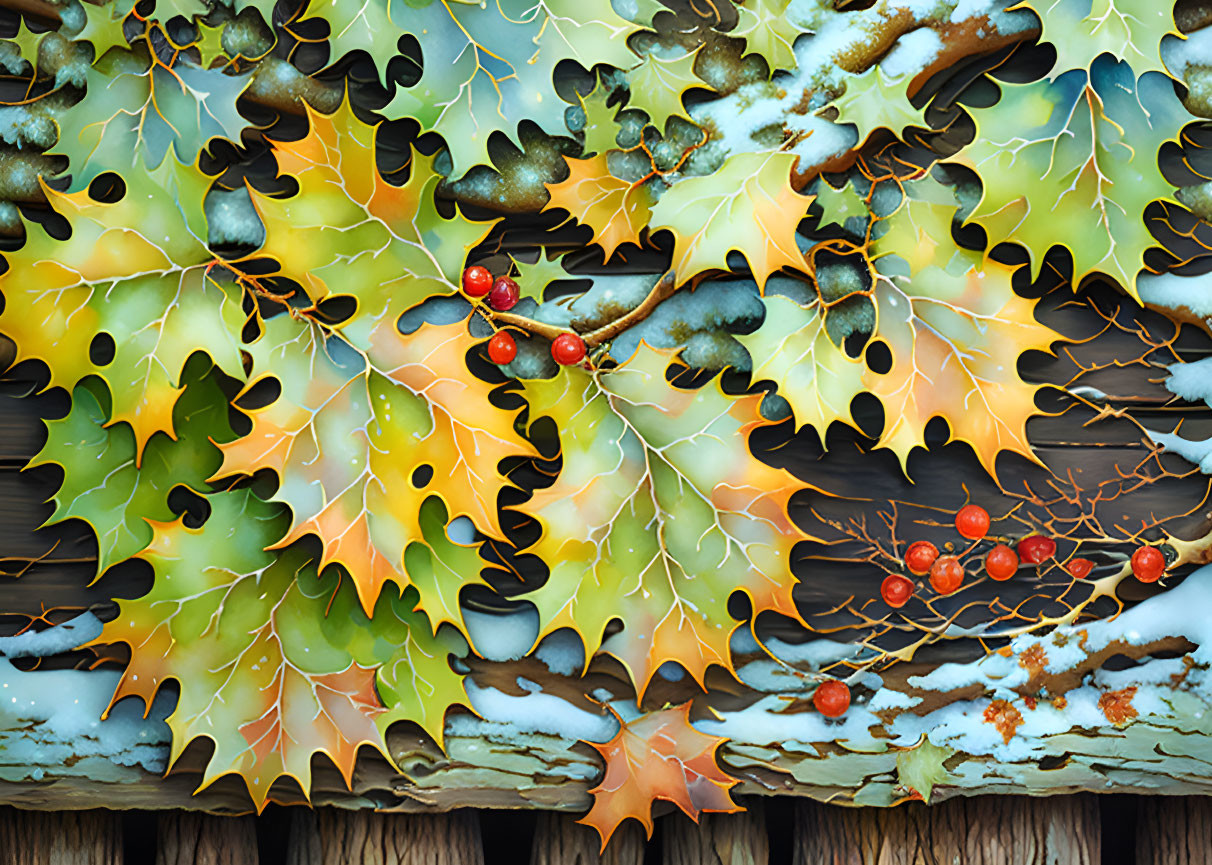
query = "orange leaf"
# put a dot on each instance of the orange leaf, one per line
(617, 210)
(658, 756)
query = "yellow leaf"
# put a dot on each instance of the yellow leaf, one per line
(615, 209)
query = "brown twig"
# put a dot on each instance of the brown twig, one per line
(663, 290)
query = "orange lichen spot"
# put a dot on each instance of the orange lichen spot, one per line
(1060, 702)
(1177, 679)
(1034, 659)
(1117, 706)
(1030, 703)
(1004, 717)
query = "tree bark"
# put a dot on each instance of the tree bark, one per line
(329, 836)
(1173, 830)
(60, 837)
(187, 838)
(559, 840)
(717, 839)
(995, 830)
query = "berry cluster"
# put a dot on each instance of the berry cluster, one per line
(1001, 562)
(503, 295)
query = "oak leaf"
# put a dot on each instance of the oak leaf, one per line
(748, 205)
(349, 431)
(1074, 161)
(275, 661)
(658, 755)
(617, 210)
(660, 512)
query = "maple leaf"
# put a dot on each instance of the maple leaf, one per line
(1081, 30)
(767, 30)
(349, 431)
(657, 86)
(955, 328)
(659, 514)
(139, 270)
(617, 210)
(487, 67)
(534, 278)
(874, 101)
(275, 662)
(658, 755)
(127, 122)
(349, 232)
(1074, 161)
(102, 483)
(747, 205)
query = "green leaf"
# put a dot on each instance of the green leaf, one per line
(657, 86)
(361, 25)
(922, 768)
(127, 123)
(768, 31)
(748, 205)
(1074, 161)
(488, 67)
(534, 278)
(601, 131)
(103, 485)
(838, 205)
(275, 662)
(874, 101)
(1081, 30)
(187, 9)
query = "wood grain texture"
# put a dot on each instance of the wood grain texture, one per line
(994, 830)
(717, 839)
(1173, 830)
(60, 838)
(560, 840)
(329, 836)
(188, 838)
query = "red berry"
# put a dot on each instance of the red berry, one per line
(504, 295)
(501, 348)
(920, 556)
(946, 575)
(1148, 563)
(567, 349)
(1035, 548)
(832, 698)
(477, 281)
(896, 590)
(1001, 562)
(1079, 568)
(972, 522)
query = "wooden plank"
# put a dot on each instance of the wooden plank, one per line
(993, 830)
(60, 837)
(188, 838)
(717, 839)
(560, 840)
(1173, 830)
(329, 836)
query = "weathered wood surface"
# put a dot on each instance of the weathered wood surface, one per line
(330, 837)
(65, 838)
(191, 838)
(1174, 831)
(558, 840)
(988, 831)
(717, 839)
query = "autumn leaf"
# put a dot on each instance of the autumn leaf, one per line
(658, 755)
(955, 329)
(1074, 161)
(617, 210)
(1081, 30)
(275, 662)
(660, 512)
(139, 271)
(128, 122)
(349, 431)
(922, 768)
(349, 232)
(488, 67)
(874, 101)
(102, 483)
(747, 205)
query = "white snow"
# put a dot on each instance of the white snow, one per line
(538, 712)
(1174, 291)
(1195, 50)
(563, 652)
(912, 53)
(502, 636)
(52, 641)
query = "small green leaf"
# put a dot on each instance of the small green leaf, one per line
(874, 101)
(922, 768)
(657, 86)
